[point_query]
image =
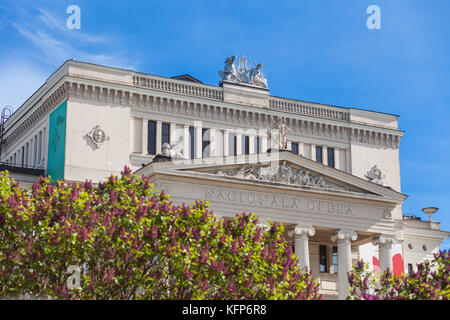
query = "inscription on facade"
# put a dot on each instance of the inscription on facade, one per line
(258, 199)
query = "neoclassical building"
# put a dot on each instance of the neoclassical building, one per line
(330, 175)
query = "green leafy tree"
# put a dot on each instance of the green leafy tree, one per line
(129, 241)
(430, 282)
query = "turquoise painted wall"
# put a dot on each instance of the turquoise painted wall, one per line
(57, 142)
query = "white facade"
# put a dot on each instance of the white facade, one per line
(345, 210)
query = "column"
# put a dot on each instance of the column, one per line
(264, 143)
(198, 139)
(131, 141)
(172, 134)
(144, 147)
(344, 238)
(212, 142)
(300, 233)
(384, 243)
(325, 155)
(226, 135)
(301, 148)
(313, 152)
(289, 145)
(158, 136)
(186, 141)
(348, 160)
(251, 144)
(239, 144)
(337, 164)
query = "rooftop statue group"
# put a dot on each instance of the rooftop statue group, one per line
(251, 76)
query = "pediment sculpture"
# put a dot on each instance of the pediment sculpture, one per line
(171, 151)
(279, 133)
(375, 175)
(283, 173)
(243, 74)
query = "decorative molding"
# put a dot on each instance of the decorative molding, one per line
(385, 239)
(298, 230)
(97, 136)
(281, 172)
(21, 128)
(313, 126)
(344, 235)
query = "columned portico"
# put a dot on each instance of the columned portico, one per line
(384, 243)
(301, 233)
(343, 239)
(316, 203)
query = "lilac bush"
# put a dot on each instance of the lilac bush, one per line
(431, 281)
(131, 242)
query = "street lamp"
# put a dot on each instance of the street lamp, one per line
(429, 211)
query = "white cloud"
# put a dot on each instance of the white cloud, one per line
(55, 43)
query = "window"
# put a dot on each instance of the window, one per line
(151, 137)
(27, 151)
(335, 260)
(319, 154)
(330, 153)
(165, 134)
(205, 143)
(232, 145)
(23, 156)
(192, 142)
(40, 147)
(258, 145)
(35, 146)
(322, 258)
(410, 268)
(294, 147)
(245, 144)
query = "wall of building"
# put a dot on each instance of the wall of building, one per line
(83, 158)
(364, 157)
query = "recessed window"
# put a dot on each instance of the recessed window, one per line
(335, 260)
(245, 144)
(322, 258)
(410, 268)
(258, 145)
(294, 147)
(192, 142)
(232, 144)
(330, 154)
(410, 246)
(319, 154)
(206, 143)
(151, 137)
(424, 247)
(165, 134)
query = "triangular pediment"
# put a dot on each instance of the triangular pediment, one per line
(280, 169)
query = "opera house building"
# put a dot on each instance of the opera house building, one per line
(329, 174)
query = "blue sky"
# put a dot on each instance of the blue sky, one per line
(320, 51)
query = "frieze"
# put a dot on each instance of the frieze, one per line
(283, 173)
(277, 201)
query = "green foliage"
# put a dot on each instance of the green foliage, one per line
(131, 242)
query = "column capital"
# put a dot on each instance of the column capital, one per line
(385, 239)
(343, 235)
(299, 229)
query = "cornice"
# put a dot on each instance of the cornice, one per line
(43, 106)
(162, 102)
